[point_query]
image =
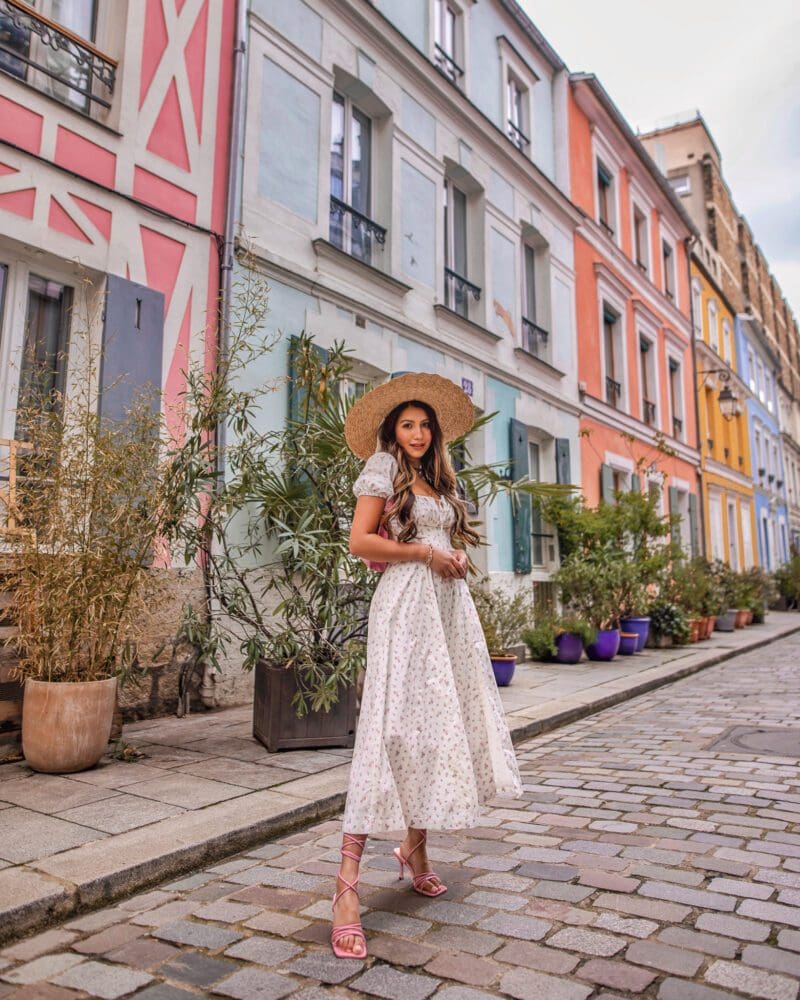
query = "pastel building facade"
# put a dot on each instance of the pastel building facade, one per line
(635, 359)
(114, 129)
(405, 189)
(727, 485)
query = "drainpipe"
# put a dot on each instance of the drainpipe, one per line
(688, 242)
(232, 204)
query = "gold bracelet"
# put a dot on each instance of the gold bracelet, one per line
(429, 560)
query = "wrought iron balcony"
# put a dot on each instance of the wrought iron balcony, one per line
(649, 413)
(354, 232)
(642, 266)
(613, 391)
(534, 338)
(447, 65)
(53, 59)
(608, 229)
(517, 136)
(677, 427)
(458, 290)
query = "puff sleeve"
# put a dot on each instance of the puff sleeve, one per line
(377, 476)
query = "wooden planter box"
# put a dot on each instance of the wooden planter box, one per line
(275, 723)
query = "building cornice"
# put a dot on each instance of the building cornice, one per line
(624, 422)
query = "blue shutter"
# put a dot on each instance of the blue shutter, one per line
(563, 469)
(606, 483)
(133, 343)
(673, 509)
(636, 483)
(521, 508)
(694, 525)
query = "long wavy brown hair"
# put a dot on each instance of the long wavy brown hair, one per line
(435, 468)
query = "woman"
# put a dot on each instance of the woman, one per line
(432, 743)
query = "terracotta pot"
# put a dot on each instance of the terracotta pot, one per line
(741, 617)
(66, 726)
(712, 623)
(749, 620)
(694, 629)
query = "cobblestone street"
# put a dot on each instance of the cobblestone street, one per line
(642, 860)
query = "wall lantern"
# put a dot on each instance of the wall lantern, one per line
(729, 403)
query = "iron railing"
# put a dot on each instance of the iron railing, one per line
(613, 391)
(354, 232)
(53, 59)
(446, 64)
(517, 136)
(649, 413)
(458, 290)
(677, 427)
(534, 338)
(608, 229)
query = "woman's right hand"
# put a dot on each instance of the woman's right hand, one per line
(447, 564)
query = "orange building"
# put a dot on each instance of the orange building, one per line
(633, 304)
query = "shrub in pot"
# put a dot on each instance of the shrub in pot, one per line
(590, 589)
(89, 497)
(561, 639)
(503, 617)
(668, 624)
(785, 591)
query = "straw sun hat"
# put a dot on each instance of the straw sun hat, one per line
(452, 406)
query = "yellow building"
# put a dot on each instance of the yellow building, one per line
(727, 485)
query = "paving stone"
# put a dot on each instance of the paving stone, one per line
(536, 956)
(108, 940)
(444, 912)
(147, 901)
(516, 926)
(526, 985)
(164, 991)
(773, 912)
(464, 993)
(383, 981)
(324, 966)
(276, 923)
(609, 880)
(462, 939)
(736, 887)
(105, 981)
(651, 909)
(753, 982)
(226, 913)
(394, 923)
(398, 951)
(735, 927)
(263, 951)
(709, 944)
(789, 939)
(197, 969)
(467, 969)
(39, 991)
(626, 925)
(679, 989)
(40, 944)
(96, 921)
(773, 959)
(29, 835)
(553, 873)
(163, 914)
(197, 935)
(664, 958)
(45, 967)
(586, 941)
(564, 891)
(273, 899)
(497, 900)
(503, 881)
(617, 975)
(144, 953)
(691, 897)
(255, 984)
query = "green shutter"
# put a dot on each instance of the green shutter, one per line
(296, 393)
(563, 470)
(521, 507)
(606, 483)
(694, 525)
(673, 509)
(636, 483)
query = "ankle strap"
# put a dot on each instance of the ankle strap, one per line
(422, 840)
(352, 841)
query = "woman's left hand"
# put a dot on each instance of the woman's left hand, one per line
(463, 561)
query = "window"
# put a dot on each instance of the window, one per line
(760, 468)
(640, 242)
(697, 307)
(676, 398)
(605, 198)
(768, 390)
(537, 526)
(517, 104)
(648, 381)
(713, 326)
(680, 184)
(727, 345)
(733, 547)
(43, 367)
(351, 228)
(534, 336)
(612, 352)
(751, 370)
(760, 380)
(445, 35)
(457, 288)
(668, 266)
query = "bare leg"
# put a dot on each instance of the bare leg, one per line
(414, 849)
(346, 910)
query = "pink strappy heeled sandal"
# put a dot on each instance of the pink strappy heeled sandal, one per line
(348, 930)
(418, 881)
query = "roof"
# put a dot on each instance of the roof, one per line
(599, 91)
(682, 119)
(530, 29)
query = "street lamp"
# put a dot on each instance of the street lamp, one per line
(729, 404)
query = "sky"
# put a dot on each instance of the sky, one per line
(736, 61)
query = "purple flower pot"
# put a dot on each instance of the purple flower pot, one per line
(641, 626)
(605, 646)
(628, 643)
(570, 647)
(503, 667)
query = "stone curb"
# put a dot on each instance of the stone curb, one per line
(95, 875)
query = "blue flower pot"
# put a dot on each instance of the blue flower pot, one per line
(628, 643)
(605, 646)
(503, 667)
(570, 647)
(641, 626)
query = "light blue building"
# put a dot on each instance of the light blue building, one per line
(404, 188)
(759, 367)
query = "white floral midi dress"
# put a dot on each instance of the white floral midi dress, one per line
(432, 744)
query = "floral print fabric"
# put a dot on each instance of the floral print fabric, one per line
(432, 744)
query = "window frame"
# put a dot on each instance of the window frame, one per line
(451, 65)
(350, 113)
(449, 218)
(697, 307)
(677, 402)
(712, 320)
(668, 269)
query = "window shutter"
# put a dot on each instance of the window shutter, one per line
(521, 509)
(673, 509)
(606, 483)
(296, 394)
(694, 525)
(636, 483)
(563, 471)
(133, 342)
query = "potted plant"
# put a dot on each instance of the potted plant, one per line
(590, 589)
(785, 591)
(542, 640)
(629, 643)
(762, 591)
(89, 515)
(668, 625)
(725, 580)
(573, 637)
(503, 617)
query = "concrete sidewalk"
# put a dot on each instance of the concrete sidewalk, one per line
(206, 788)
